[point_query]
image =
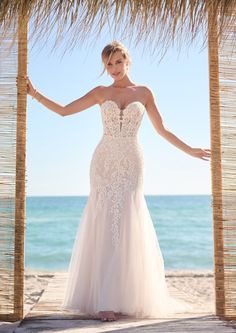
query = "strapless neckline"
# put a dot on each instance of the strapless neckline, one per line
(127, 106)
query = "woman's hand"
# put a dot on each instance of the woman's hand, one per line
(30, 88)
(203, 154)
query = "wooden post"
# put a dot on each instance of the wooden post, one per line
(20, 169)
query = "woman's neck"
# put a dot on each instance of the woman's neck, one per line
(123, 83)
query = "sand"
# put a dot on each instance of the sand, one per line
(44, 290)
(195, 287)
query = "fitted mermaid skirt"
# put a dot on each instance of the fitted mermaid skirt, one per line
(116, 262)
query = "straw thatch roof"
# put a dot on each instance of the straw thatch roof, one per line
(156, 22)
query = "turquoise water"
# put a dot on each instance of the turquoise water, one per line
(183, 224)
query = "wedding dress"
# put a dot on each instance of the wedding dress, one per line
(116, 262)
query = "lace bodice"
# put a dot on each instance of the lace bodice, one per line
(121, 122)
(116, 171)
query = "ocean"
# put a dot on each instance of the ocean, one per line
(183, 224)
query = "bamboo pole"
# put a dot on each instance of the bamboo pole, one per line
(216, 165)
(20, 169)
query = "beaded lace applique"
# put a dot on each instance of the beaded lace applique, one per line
(117, 163)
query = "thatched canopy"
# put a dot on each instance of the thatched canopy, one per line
(158, 23)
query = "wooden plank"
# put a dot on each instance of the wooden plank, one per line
(188, 288)
(194, 287)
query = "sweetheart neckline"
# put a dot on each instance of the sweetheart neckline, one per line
(111, 100)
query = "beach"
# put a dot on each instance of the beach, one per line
(44, 292)
(195, 287)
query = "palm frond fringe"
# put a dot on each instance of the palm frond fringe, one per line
(159, 24)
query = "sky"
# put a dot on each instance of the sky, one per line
(60, 149)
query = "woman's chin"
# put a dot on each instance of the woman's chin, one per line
(118, 78)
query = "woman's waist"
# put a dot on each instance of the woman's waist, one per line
(125, 144)
(109, 137)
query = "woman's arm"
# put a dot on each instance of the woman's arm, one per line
(80, 104)
(157, 122)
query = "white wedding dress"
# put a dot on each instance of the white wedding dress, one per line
(116, 262)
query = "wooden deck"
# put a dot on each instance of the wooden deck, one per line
(46, 316)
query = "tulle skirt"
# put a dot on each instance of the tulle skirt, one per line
(127, 278)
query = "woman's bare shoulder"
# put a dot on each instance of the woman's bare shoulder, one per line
(100, 92)
(145, 89)
(146, 92)
(99, 89)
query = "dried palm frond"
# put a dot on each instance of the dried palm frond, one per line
(156, 22)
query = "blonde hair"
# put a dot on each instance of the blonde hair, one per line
(110, 49)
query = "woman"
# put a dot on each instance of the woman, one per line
(116, 267)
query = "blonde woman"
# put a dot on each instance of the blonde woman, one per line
(116, 266)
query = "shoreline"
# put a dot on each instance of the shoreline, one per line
(168, 272)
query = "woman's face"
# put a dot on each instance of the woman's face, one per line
(117, 67)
